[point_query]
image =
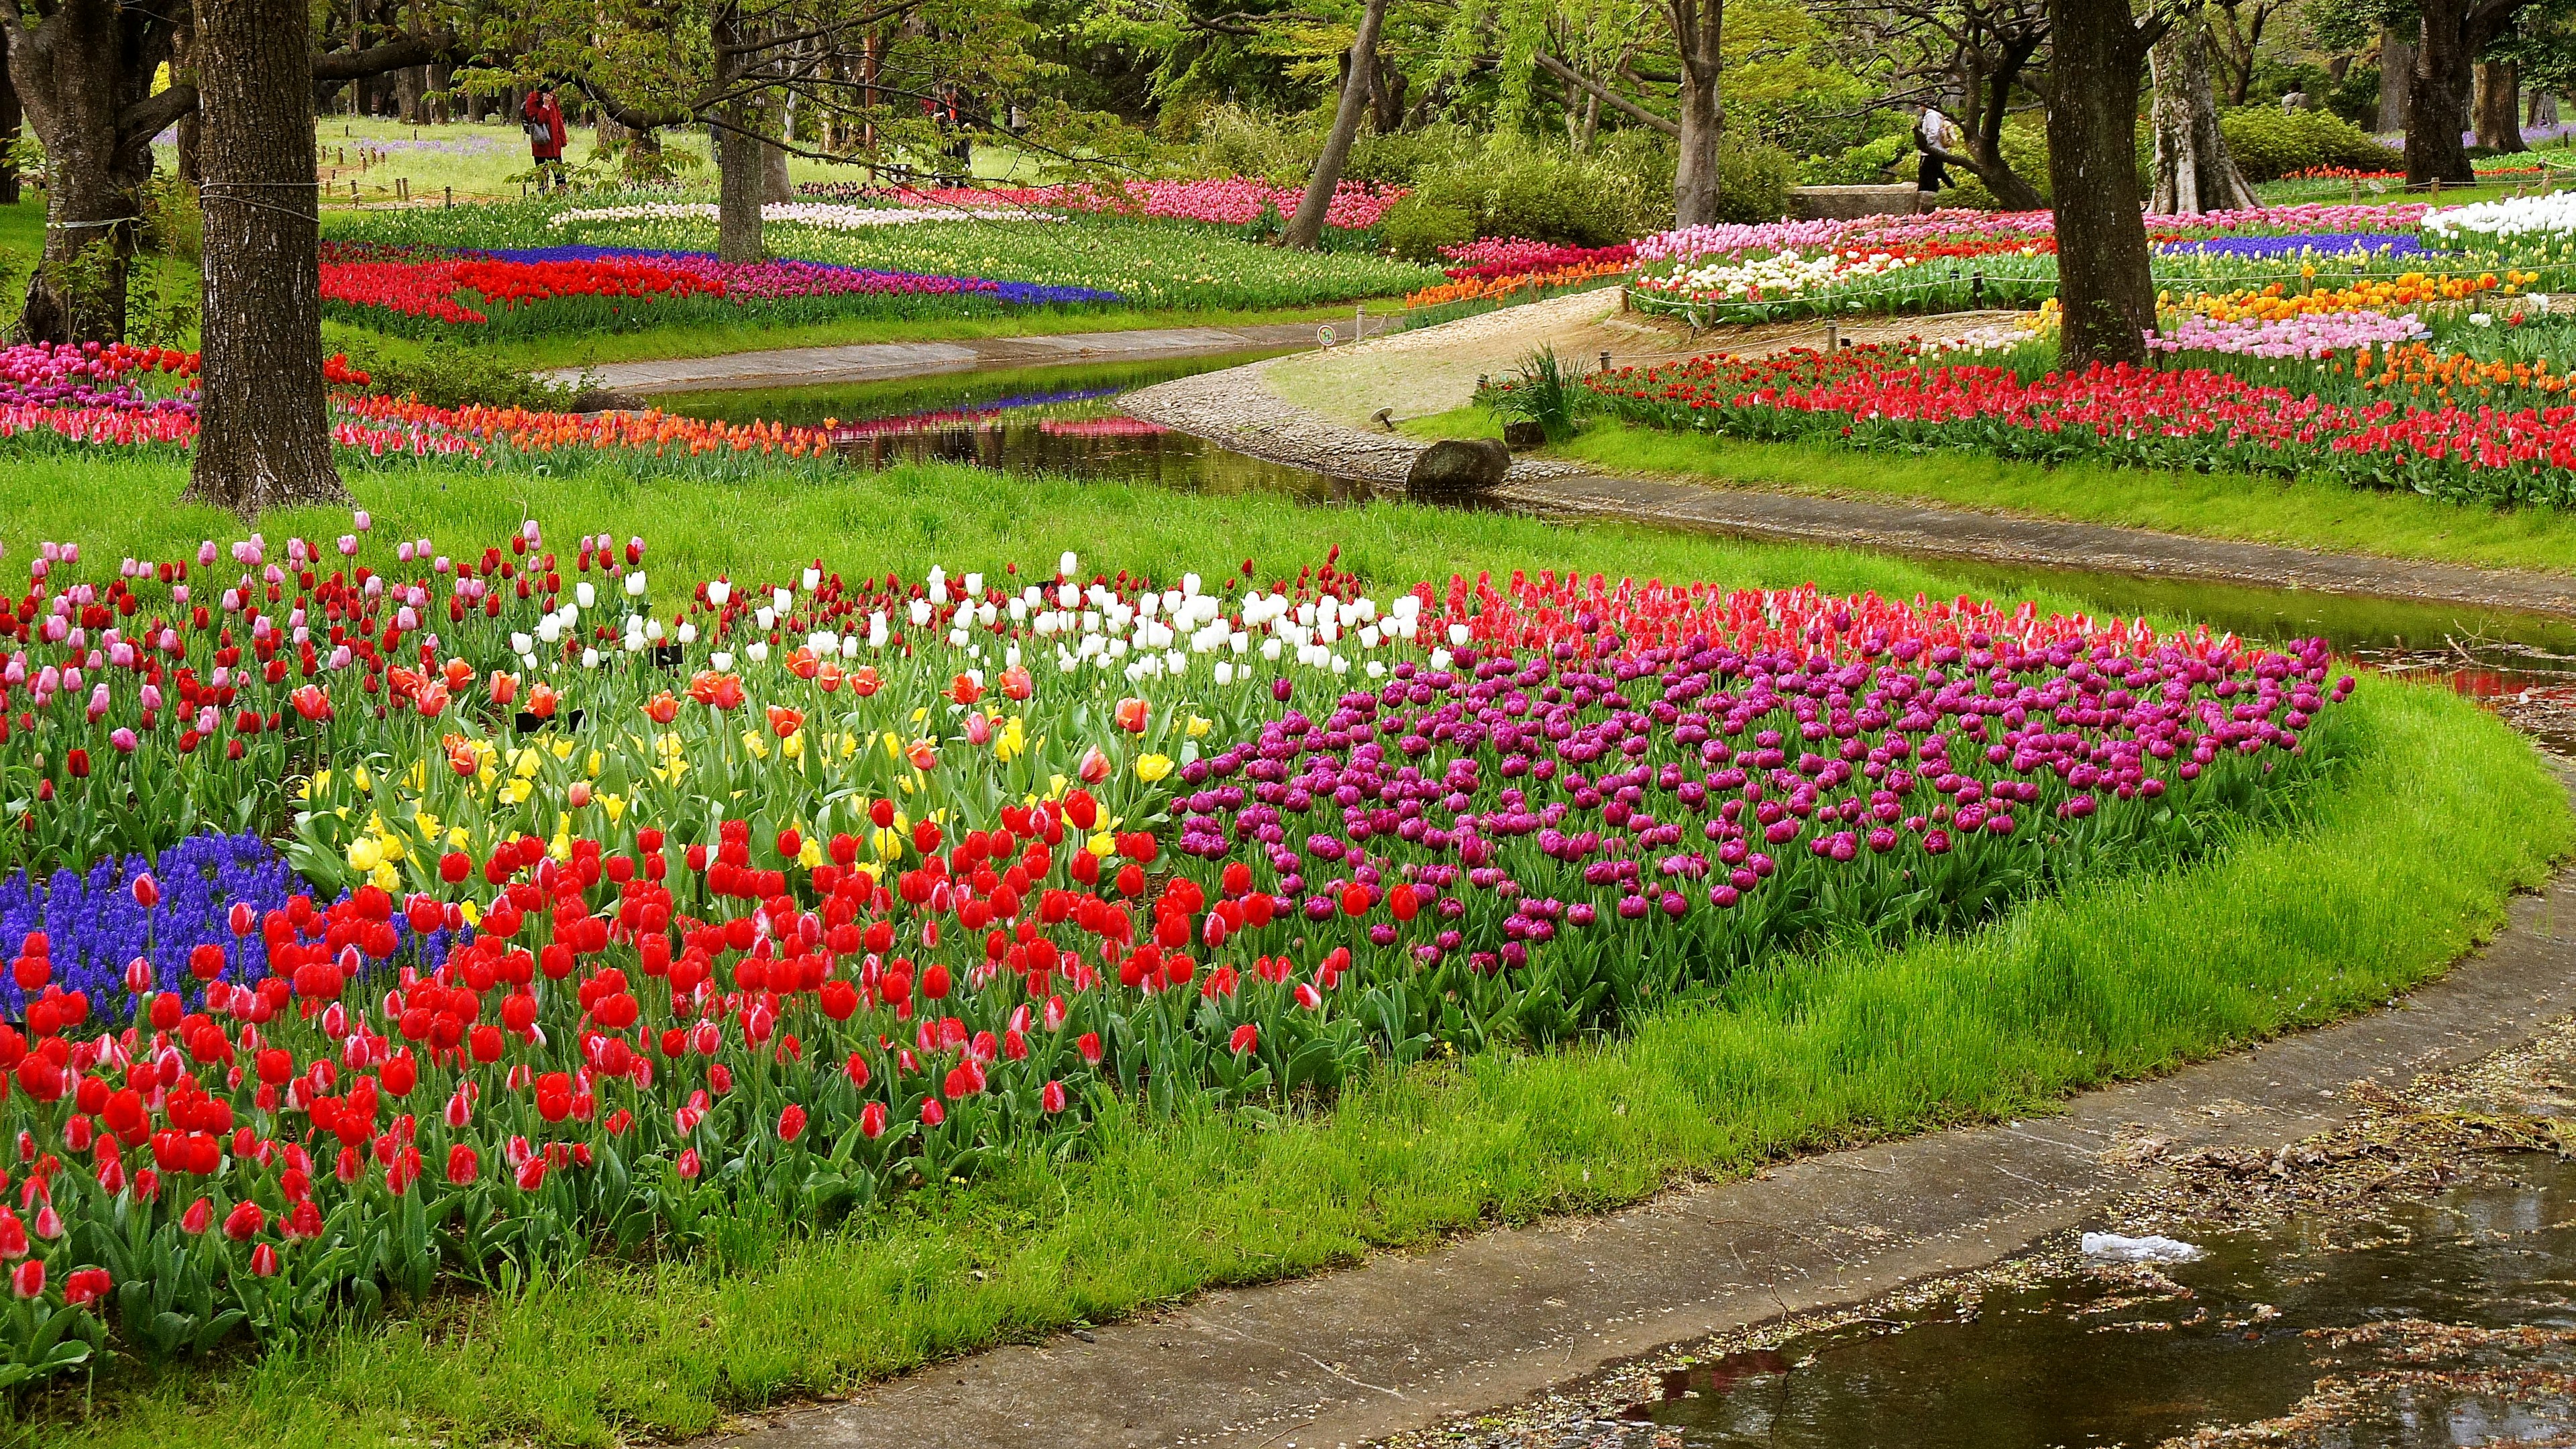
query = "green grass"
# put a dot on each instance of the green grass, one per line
(2400, 863)
(2304, 512)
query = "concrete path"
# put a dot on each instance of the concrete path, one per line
(887, 361)
(1402, 1342)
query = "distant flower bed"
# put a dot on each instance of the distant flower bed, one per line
(1224, 201)
(555, 289)
(800, 213)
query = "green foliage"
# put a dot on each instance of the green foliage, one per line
(2025, 146)
(172, 223)
(1862, 165)
(1399, 159)
(445, 373)
(1543, 192)
(2355, 98)
(1232, 141)
(1753, 181)
(1416, 228)
(1538, 391)
(2269, 143)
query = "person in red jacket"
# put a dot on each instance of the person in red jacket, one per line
(543, 120)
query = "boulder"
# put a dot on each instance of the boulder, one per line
(1841, 203)
(1457, 468)
(605, 400)
(1523, 434)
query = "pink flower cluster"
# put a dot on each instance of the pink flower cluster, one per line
(2307, 337)
(1224, 201)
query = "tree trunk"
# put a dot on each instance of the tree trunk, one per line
(1305, 230)
(2193, 173)
(2396, 63)
(2103, 281)
(409, 88)
(183, 72)
(2497, 107)
(644, 154)
(10, 119)
(88, 63)
(739, 175)
(1698, 25)
(774, 184)
(2542, 110)
(264, 437)
(1386, 101)
(2437, 91)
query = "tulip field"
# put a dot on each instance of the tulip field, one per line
(389, 910)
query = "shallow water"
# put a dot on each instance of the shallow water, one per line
(1058, 420)
(2234, 1339)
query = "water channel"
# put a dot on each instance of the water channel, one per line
(2240, 1336)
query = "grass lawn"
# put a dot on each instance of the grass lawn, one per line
(2374, 878)
(2304, 513)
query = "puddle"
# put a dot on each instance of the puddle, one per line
(1057, 420)
(2445, 1322)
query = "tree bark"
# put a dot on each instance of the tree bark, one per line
(1698, 26)
(183, 72)
(2396, 63)
(2194, 173)
(2497, 107)
(739, 177)
(1305, 230)
(83, 77)
(2103, 281)
(264, 437)
(2437, 90)
(774, 182)
(10, 119)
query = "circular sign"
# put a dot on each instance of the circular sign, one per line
(1324, 335)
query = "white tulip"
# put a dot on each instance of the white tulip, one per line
(718, 592)
(722, 659)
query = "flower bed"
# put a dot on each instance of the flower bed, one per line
(2190, 418)
(553, 289)
(631, 909)
(1219, 201)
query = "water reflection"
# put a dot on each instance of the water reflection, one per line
(2441, 1324)
(1057, 420)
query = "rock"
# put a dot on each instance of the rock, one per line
(1841, 203)
(1523, 434)
(606, 400)
(1457, 468)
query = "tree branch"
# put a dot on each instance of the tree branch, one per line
(1609, 97)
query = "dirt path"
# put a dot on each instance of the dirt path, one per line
(1401, 1343)
(889, 361)
(1314, 410)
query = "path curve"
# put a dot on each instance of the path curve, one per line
(1402, 1342)
(892, 361)
(1283, 410)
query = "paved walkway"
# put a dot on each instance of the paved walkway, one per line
(888, 361)
(1402, 1342)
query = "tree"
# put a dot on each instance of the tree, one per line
(263, 438)
(1305, 230)
(2193, 171)
(2495, 113)
(2448, 42)
(2236, 38)
(2103, 280)
(1698, 28)
(83, 70)
(1969, 57)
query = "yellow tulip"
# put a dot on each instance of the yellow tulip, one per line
(363, 855)
(1150, 768)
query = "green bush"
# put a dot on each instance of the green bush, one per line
(445, 374)
(1400, 159)
(2269, 143)
(1753, 181)
(1545, 193)
(1232, 141)
(1862, 165)
(2356, 97)
(1415, 229)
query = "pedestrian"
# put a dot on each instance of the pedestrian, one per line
(542, 117)
(1934, 136)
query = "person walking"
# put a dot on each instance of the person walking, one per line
(1935, 137)
(542, 117)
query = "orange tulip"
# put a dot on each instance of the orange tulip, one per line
(661, 709)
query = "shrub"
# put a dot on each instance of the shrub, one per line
(172, 222)
(445, 374)
(1859, 165)
(1235, 142)
(1753, 181)
(1545, 193)
(2269, 143)
(1415, 228)
(1400, 159)
(2356, 97)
